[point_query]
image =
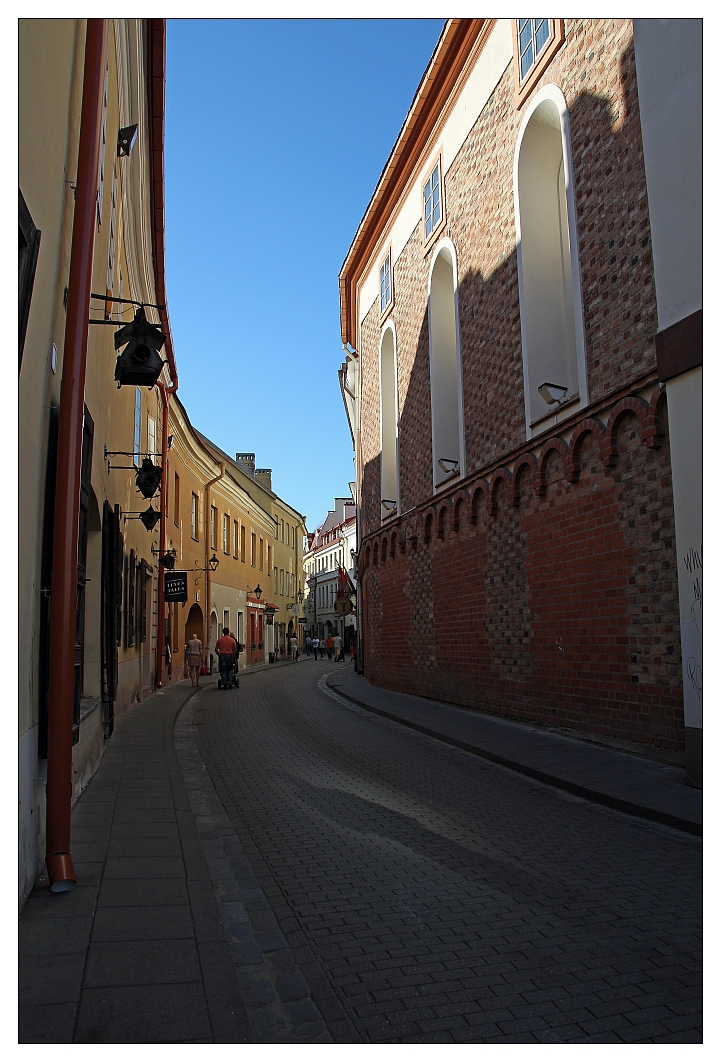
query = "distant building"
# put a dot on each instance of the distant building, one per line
(330, 557)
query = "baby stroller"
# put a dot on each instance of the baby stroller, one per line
(234, 680)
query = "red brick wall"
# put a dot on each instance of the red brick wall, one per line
(558, 602)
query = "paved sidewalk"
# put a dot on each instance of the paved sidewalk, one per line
(137, 951)
(619, 780)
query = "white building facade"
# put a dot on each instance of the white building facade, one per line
(329, 557)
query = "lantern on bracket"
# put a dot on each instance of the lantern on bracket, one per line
(139, 363)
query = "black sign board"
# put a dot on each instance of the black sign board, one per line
(175, 586)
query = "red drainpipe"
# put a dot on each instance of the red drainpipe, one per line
(156, 112)
(67, 489)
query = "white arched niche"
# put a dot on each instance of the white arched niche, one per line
(388, 373)
(548, 273)
(445, 361)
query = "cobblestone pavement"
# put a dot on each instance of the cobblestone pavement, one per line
(428, 896)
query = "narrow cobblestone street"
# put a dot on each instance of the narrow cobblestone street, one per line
(428, 896)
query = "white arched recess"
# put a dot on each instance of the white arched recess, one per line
(388, 376)
(549, 280)
(445, 359)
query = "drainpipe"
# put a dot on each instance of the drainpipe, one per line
(208, 485)
(160, 632)
(63, 591)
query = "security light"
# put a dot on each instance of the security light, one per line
(448, 464)
(388, 504)
(552, 393)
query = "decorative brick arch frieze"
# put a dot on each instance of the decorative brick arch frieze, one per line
(630, 404)
(462, 498)
(499, 475)
(375, 553)
(385, 543)
(444, 519)
(651, 433)
(429, 518)
(595, 428)
(524, 461)
(561, 447)
(479, 497)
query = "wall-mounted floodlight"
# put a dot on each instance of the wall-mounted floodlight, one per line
(552, 393)
(448, 465)
(389, 504)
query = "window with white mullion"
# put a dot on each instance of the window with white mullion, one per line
(432, 200)
(532, 35)
(385, 282)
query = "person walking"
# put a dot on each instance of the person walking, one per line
(329, 645)
(337, 646)
(194, 657)
(225, 648)
(308, 645)
(294, 648)
(315, 648)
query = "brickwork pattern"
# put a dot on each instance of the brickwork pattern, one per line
(566, 585)
(428, 896)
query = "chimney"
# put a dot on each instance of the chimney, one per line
(263, 475)
(247, 463)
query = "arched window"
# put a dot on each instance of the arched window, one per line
(445, 358)
(550, 294)
(389, 423)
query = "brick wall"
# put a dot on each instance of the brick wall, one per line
(544, 585)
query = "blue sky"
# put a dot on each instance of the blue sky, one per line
(277, 132)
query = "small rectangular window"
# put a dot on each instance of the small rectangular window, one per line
(226, 523)
(252, 550)
(242, 543)
(176, 501)
(235, 539)
(226, 618)
(432, 200)
(136, 434)
(385, 282)
(213, 527)
(260, 556)
(270, 558)
(194, 516)
(282, 583)
(275, 580)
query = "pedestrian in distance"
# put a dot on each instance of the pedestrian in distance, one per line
(337, 646)
(308, 645)
(225, 647)
(329, 645)
(194, 657)
(294, 648)
(315, 648)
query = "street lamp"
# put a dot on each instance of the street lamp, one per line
(258, 593)
(213, 563)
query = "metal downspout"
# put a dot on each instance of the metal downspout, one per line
(208, 485)
(160, 631)
(63, 593)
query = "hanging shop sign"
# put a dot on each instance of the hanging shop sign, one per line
(175, 586)
(343, 606)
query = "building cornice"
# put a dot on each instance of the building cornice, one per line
(439, 81)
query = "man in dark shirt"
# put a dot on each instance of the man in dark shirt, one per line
(225, 648)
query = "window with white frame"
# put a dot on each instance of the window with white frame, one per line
(226, 521)
(445, 360)
(432, 209)
(213, 526)
(533, 33)
(385, 282)
(194, 516)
